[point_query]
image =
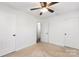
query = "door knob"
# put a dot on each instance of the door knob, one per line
(14, 35)
(65, 34)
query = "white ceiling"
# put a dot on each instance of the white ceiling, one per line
(60, 8)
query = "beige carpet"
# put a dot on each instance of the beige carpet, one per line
(45, 50)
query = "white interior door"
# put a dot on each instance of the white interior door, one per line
(7, 29)
(44, 32)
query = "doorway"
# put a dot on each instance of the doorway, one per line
(38, 33)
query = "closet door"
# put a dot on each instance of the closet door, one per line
(7, 33)
(72, 33)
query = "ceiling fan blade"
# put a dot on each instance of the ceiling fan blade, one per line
(50, 10)
(34, 8)
(52, 3)
(41, 13)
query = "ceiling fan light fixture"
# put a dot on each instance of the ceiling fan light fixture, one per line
(45, 7)
(44, 10)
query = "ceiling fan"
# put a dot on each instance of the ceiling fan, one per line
(45, 6)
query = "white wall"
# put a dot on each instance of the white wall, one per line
(26, 30)
(62, 24)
